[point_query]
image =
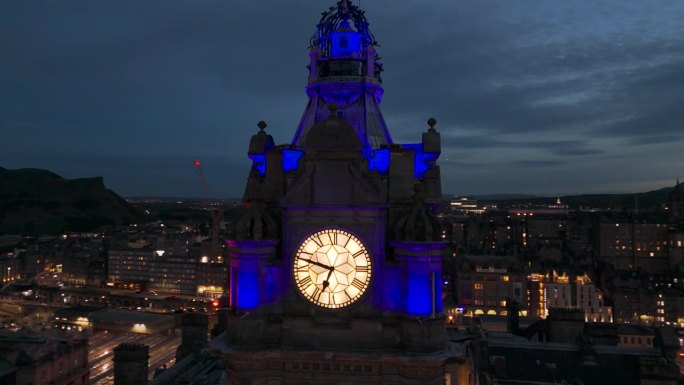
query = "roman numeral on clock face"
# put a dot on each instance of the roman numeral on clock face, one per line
(358, 284)
(317, 293)
(360, 252)
(362, 269)
(306, 281)
(318, 241)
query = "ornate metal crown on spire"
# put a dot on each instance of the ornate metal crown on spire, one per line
(331, 21)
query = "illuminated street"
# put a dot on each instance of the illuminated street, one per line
(102, 344)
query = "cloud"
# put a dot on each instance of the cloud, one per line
(544, 88)
(553, 147)
(536, 163)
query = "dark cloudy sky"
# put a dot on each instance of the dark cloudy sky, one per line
(543, 97)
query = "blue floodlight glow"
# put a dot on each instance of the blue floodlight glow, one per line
(259, 162)
(233, 286)
(419, 166)
(379, 160)
(273, 284)
(418, 298)
(390, 295)
(421, 159)
(291, 159)
(345, 44)
(430, 156)
(248, 290)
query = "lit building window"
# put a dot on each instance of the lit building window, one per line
(478, 286)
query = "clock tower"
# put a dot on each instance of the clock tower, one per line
(335, 269)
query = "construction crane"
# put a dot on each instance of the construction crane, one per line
(216, 217)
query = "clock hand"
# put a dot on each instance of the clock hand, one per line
(326, 283)
(317, 264)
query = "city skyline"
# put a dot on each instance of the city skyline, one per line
(545, 99)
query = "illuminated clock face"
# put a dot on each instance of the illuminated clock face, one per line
(332, 268)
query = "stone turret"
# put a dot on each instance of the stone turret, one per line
(345, 69)
(352, 275)
(131, 364)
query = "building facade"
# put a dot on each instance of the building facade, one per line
(35, 358)
(171, 264)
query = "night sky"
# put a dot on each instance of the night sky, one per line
(540, 97)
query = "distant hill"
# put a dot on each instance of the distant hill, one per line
(650, 200)
(34, 201)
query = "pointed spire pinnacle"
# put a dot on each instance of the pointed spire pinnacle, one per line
(431, 122)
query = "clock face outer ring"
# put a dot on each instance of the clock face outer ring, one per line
(332, 268)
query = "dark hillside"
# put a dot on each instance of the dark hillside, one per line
(34, 201)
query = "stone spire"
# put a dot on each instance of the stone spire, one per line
(345, 69)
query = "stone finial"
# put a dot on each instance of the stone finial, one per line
(432, 142)
(432, 122)
(261, 141)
